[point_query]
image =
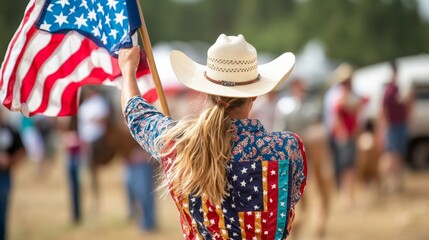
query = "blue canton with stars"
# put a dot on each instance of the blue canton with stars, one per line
(247, 193)
(109, 23)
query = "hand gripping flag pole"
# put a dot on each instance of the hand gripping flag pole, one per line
(148, 50)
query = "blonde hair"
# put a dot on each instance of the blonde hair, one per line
(201, 147)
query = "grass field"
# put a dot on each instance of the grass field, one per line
(40, 211)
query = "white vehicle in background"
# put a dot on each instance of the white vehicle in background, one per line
(413, 77)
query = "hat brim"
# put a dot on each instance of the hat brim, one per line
(272, 75)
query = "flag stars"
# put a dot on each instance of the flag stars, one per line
(72, 10)
(243, 183)
(249, 226)
(107, 20)
(273, 186)
(61, 19)
(50, 6)
(253, 166)
(112, 4)
(256, 207)
(84, 4)
(92, 15)
(255, 189)
(45, 26)
(273, 172)
(62, 2)
(100, 8)
(120, 18)
(113, 33)
(234, 178)
(244, 170)
(81, 21)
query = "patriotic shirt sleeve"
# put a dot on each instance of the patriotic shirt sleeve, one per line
(146, 123)
(299, 171)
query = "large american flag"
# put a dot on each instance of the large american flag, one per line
(62, 45)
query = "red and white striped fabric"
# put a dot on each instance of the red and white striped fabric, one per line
(42, 72)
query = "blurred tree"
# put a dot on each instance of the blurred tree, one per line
(10, 17)
(359, 31)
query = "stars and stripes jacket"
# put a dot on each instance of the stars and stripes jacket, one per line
(266, 178)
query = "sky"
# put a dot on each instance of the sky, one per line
(424, 9)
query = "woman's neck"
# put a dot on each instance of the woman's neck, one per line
(239, 115)
(243, 111)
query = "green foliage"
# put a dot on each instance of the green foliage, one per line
(10, 16)
(358, 31)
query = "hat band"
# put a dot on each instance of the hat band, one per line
(229, 83)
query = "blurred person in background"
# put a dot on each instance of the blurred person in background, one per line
(34, 144)
(330, 98)
(395, 113)
(346, 129)
(46, 126)
(11, 151)
(216, 161)
(140, 186)
(94, 120)
(295, 107)
(265, 109)
(368, 158)
(302, 117)
(72, 145)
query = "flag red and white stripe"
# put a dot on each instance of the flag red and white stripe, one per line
(42, 72)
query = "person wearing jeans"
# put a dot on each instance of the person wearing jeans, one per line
(139, 180)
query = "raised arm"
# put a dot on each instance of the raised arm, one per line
(128, 62)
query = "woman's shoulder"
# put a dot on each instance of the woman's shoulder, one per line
(291, 137)
(288, 142)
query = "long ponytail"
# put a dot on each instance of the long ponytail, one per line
(202, 150)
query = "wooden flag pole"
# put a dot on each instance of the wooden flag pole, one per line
(148, 50)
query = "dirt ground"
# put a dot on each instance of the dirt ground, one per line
(40, 210)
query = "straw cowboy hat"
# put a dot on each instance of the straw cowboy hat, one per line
(232, 69)
(344, 72)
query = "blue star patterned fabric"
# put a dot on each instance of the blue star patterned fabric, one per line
(266, 178)
(109, 23)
